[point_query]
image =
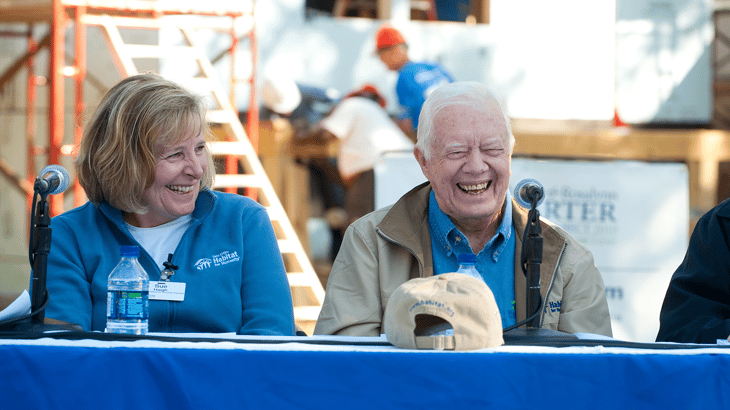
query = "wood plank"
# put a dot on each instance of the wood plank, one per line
(42, 10)
(121, 58)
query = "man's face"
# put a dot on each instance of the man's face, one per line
(469, 166)
(394, 57)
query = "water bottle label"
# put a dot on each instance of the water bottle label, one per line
(127, 305)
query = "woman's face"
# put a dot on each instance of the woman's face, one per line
(178, 172)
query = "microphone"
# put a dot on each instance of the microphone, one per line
(528, 191)
(52, 180)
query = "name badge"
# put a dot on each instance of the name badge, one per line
(160, 290)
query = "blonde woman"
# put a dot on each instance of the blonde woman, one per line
(147, 172)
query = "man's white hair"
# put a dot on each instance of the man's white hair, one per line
(457, 93)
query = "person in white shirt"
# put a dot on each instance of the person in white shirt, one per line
(365, 131)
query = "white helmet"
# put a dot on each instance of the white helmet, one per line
(280, 94)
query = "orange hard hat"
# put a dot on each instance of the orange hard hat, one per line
(388, 37)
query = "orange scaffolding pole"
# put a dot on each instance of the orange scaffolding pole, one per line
(253, 106)
(79, 76)
(56, 106)
(31, 85)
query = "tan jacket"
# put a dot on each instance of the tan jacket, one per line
(392, 245)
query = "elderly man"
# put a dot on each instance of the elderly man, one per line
(464, 149)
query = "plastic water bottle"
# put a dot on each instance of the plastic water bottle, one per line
(127, 302)
(467, 265)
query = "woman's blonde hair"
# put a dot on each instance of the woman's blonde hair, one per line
(135, 120)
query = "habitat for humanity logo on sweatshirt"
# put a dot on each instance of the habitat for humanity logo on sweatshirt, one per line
(222, 258)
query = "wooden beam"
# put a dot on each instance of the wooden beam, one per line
(14, 179)
(20, 62)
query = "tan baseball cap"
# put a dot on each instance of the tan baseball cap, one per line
(421, 309)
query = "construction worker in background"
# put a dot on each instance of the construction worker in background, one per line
(365, 131)
(416, 80)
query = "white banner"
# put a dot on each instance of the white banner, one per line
(633, 216)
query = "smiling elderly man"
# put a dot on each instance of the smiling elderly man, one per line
(464, 149)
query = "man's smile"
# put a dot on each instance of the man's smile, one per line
(475, 189)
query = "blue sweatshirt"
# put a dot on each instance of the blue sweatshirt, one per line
(228, 259)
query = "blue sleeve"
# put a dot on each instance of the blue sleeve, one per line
(68, 287)
(265, 294)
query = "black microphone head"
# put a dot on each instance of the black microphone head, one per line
(59, 172)
(528, 190)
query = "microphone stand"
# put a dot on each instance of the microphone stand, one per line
(40, 247)
(531, 258)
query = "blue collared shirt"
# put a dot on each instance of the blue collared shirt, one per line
(495, 262)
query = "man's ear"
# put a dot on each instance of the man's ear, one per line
(419, 157)
(422, 161)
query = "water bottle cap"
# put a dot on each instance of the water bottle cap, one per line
(129, 250)
(467, 258)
